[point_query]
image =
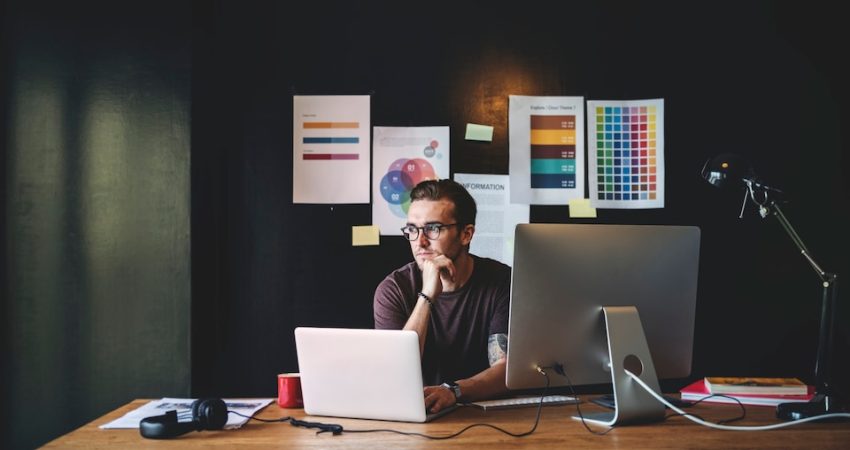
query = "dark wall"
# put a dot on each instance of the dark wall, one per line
(96, 134)
(96, 291)
(756, 79)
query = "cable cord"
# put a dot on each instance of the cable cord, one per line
(282, 419)
(338, 429)
(559, 369)
(724, 421)
(732, 427)
(469, 427)
(323, 427)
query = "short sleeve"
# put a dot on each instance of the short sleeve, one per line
(390, 309)
(502, 300)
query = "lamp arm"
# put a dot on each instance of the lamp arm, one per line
(723, 170)
(823, 388)
(774, 209)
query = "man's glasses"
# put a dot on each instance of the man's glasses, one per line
(431, 231)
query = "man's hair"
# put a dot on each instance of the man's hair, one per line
(435, 190)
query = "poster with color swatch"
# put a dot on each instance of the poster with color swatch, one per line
(330, 150)
(546, 149)
(403, 157)
(626, 153)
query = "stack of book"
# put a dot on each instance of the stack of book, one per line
(749, 391)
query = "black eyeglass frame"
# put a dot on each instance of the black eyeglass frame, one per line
(431, 226)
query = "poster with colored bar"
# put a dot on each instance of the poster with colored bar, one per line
(546, 149)
(330, 152)
(626, 153)
(403, 157)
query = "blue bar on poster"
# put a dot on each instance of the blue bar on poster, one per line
(553, 181)
(331, 140)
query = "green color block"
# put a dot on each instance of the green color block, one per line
(553, 166)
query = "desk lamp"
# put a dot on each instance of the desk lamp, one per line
(730, 171)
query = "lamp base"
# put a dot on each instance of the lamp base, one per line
(818, 406)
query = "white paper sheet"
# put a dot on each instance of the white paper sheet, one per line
(246, 406)
(330, 153)
(497, 217)
(403, 157)
(547, 149)
(626, 153)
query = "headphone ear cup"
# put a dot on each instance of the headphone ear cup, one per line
(196, 409)
(165, 426)
(209, 413)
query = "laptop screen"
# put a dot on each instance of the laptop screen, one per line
(359, 373)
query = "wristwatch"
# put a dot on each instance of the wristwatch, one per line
(454, 387)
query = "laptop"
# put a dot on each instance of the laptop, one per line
(362, 374)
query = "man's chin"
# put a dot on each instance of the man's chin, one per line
(420, 259)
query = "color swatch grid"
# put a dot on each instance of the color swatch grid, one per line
(626, 152)
(553, 152)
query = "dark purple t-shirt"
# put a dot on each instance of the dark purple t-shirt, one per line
(461, 321)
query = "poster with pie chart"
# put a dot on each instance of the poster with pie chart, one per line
(402, 158)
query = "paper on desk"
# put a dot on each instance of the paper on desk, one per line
(246, 406)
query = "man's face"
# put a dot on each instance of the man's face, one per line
(452, 240)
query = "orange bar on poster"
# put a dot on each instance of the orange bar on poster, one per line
(313, 125)
(553, 137)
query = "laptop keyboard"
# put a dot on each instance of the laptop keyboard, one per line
(429, 416)
(524, 402)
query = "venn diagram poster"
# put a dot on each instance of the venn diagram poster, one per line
(626, 153)
(547, 149)
(401, 158)
(330, 153)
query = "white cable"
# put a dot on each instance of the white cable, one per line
(732, 427)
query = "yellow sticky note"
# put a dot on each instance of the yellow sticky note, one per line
(580, 208)
(365, 235)
(479, 132)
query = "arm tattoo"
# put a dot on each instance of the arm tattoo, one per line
(497, 347)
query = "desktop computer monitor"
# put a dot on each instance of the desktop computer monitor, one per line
(565, 274)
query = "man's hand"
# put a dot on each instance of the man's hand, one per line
(436, 273)
(438, 398)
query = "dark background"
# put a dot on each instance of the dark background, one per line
(151, 247)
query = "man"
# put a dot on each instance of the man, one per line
(457, 302)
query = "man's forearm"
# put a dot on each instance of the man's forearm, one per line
(487, 384)
(418, 321)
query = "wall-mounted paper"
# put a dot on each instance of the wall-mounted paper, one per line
(580, 208)
(546, 149)
(365, 235)
(330, 152)
(626, 153)
(497, 216)
(403, 157)
(476, 132)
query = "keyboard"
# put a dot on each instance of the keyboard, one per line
(523, 402)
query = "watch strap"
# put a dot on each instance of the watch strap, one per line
(454, 387)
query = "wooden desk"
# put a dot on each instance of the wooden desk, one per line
(556, 430)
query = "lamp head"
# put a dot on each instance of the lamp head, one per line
(727, 170)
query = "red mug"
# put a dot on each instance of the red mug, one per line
(289, 390)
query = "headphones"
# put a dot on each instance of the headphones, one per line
(207, 414)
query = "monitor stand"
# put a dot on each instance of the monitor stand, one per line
(627, 349)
